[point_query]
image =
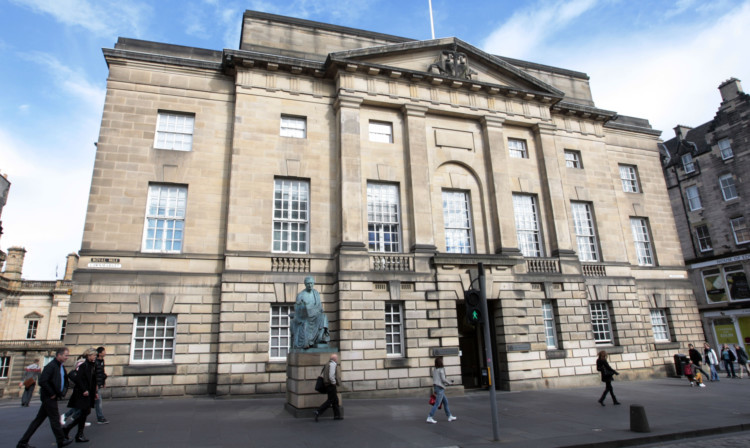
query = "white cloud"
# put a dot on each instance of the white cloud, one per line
(668, 74)
(105, 18)
(679, 7)
(530, 28)
(72, 82)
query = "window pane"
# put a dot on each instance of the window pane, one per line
(629, 178)
(642, 240)
(600, 322)
(153, 338)
(393, 329)
(383, 218)
(583, 225)
(527, 225)
(517, 149)
(457, 222)
(165, 217)
(290, 216)
(174, 131)
(280, 335)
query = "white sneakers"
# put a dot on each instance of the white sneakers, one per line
(62, 420)
(450, 419)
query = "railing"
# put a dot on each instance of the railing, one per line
(290, 264)
(392, 263)
(537, 265)
(31, 344)
(594, 270)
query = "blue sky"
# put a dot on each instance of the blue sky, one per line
(660, 60)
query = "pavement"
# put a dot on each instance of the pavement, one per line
(546, 418)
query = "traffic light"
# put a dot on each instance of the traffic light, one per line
(473, 309)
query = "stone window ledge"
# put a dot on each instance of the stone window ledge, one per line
(139, 370)
(396, 363)
(666, 345)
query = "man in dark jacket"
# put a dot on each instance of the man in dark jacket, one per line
(331, 378)
(696, 357)
(53, 384)
(101, 380)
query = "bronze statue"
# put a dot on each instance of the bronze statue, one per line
(309, 325)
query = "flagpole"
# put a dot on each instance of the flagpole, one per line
(432, 22)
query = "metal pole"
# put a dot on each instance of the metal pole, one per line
(488, 353)
(432, 22)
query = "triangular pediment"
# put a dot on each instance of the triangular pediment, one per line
(448, 58)
(33, 315)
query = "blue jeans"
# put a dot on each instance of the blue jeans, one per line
(714, 374)
(98, 407)
(440, 398)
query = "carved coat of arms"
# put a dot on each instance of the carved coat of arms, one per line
(454, 64)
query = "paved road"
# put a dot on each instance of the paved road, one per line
(737, 440)
(551, 418)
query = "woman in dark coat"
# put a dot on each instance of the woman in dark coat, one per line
(607, 374)
(84, 394)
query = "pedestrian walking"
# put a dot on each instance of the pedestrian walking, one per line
(84, 394)
(53, 383)
(28, 381)
(331, 378)
(712, 360)
(73, 413)
(439, 383)
(697, 359)
(101, 383)
(727, 355)
(608, 374)
(741, 360)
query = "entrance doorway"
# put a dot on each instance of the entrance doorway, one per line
(473, 363)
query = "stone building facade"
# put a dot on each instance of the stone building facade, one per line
(387, 168)
(706, 168)
(33, 319)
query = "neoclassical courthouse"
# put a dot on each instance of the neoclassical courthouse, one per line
(387, 168)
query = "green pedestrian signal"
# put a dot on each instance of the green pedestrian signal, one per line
(473, 301)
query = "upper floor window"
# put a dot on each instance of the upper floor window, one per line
(704, 238)
(726, 149)
(518, 148)
(32, 328)
(394, 329)
(295, 127)
(291, 205)
(165, 218)
(550, 329)
(629, 178)
(381, 131)
(457, 222)
(642, 238)
(63, 326)
(740, 230)
(279, 343)
(728, 190)
(600, 322)
(687, 163)
(174, 131)
(573, 159)
(583, 223)
(694, 199)
(383, 222)
(660, 325)
(153, 338)
(527, 225)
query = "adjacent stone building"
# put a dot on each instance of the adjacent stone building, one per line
(706, 168)
(387, 168)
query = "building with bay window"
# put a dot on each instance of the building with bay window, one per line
(387, 168)
(706, 171)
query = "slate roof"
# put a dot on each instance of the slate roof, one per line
(697, 136)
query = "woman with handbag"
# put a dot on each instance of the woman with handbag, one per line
(30, 377)
(439, 382)
(84, 394)
(608, 374)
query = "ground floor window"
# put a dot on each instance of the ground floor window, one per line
(4, 366)
(153, 338)
(394, 329)
(279, 343)
(550, 330)
(660, 325)
(600, 322)
(725, 283)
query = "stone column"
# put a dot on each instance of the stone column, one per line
(500, 191)
(556, 207)
(418, 179)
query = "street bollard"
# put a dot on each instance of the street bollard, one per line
(638, 420)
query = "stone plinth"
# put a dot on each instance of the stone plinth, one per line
(302, 370)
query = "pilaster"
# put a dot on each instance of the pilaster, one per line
(500, 192)
(352, 213)
(418, 179)
(552, 187)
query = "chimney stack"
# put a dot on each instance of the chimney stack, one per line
(681, 131)
(730, 89)
(14, 263)
(70, 266)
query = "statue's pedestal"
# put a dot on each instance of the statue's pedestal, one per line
(302, 370)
